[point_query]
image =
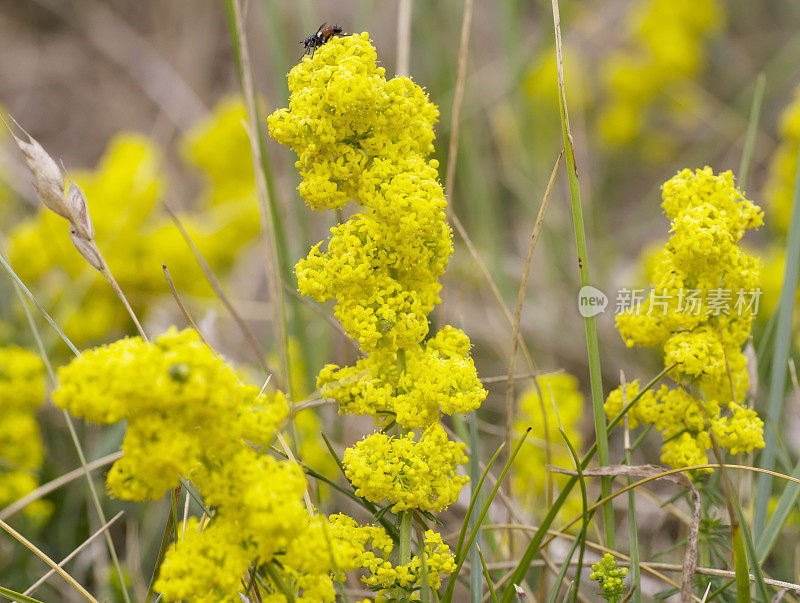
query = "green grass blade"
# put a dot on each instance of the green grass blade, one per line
(562, 573)
(750, 549)
(462, 555)
(587, 517)
(538, 537)
(581, 539)
(473, 501)
(20, 287)
(486, 575)
(740, 566)
(752, 130)
(275, 238)
(476, 557)
(13, 275)
(17, 597)
(779, 516)
(592, 345)
(780, 358)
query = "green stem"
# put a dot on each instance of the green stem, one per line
(593, 348)
(633, 525)
(270, 218)
(406, 522)
(404, 557)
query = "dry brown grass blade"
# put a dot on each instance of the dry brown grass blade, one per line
(404, 8)
(690, 559)
(55, 484)
(67, 559)
(264, 201)
(523, 285)
(212, 280)
(176, 296)
(34, 549)
(106, 272)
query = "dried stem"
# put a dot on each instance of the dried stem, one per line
(264, 201)
(404, 8)
(106, 272)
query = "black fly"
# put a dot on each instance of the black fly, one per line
(322, 35)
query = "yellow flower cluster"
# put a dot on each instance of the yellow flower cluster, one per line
(530, 467)
(181, 401)
(189, 415)
(779, 191)
(409, 473)
(125, 194)
(439, 376)
(21, 450)
(709, 217)
(360, 137)
(609, 577)
(664, 50)
(370, 548)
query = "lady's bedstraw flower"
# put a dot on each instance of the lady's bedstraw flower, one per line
(409, 473)
(699, 313)
(21, 450)
(189, 415)
(183, 406)
(360, 137)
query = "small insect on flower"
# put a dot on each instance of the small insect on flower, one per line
(322, 35)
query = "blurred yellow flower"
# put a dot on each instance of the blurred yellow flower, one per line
(21, 450)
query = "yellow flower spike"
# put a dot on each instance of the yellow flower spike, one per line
(702, 339)
(360, 137)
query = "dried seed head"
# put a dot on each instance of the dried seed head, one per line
(87, 248)
(49, 182)
(79, 211)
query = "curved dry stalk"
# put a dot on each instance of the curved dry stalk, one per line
(523, 285)
(66, 559)
(215, 285)
(653, 471)
(34, 549)
(106, 272)
(403, 36)
(598, 547)
(176, 296)
(56, 483)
